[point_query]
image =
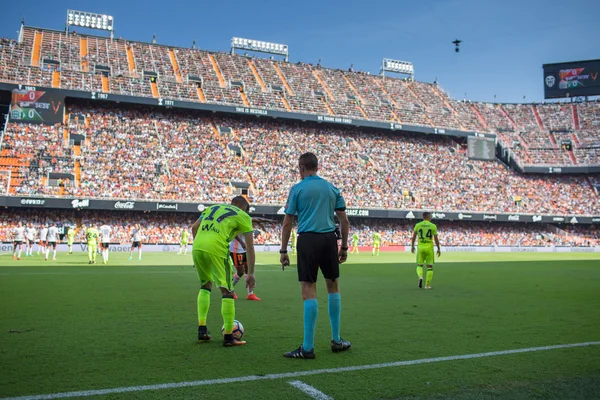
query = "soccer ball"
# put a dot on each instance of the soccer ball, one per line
(238, 330)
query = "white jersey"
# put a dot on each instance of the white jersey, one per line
(30, 233)
(137, 235)
(105, 232)
(43, 234)
(53, 234)
(19, 234)
(236, 247)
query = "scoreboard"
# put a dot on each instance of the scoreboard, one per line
(37, 106)
(481, 148)
(572, 79)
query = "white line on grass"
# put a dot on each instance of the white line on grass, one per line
(309, 390)
(109, 272)
(251, 378)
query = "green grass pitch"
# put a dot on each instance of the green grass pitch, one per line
(69, 326)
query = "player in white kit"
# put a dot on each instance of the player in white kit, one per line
(43, 239)
(30, 238)
(19, 238)
(237, 251)
(136, 236)
(105, 232)
(53, 239)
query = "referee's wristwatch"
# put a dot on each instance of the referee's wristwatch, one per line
(282, 251)
(344, 248)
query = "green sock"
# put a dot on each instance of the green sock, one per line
(228, 313)
(429, 276)
(203, 305)
(419, 271)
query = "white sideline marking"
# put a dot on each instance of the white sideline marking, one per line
(108, 272)
(251, 378)
(309, 390)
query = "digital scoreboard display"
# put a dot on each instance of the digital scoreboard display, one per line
(572, 79)
(37, 106)
(481, 148)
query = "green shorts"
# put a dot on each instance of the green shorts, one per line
(376, 244)
(212, 268)
(425, 256)
(183, 243)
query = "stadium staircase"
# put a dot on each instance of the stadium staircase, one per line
(14, 165)
(575, 117)
(201, 95)
(55, 79)
(508, 117)
(389, 97)
(217, 70)
(438, 92)
(154, 88)
(572, 157)
(479, 116)
(328, 107)
(537, 117)
(553, 140)
(575, 140)
(37, 49)
(257, 76)
(105, 85)
(282, 77)
(323, 85)
(215, 129)
(360, 98)
(416, 96)
(285, 103)
(83, 52)
(175, 65)
(131, 60)
(244, 98)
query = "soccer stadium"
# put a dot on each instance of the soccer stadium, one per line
(122, 161)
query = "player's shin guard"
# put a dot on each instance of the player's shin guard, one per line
(311, 312)
(90, 252)
(203, 305)
(140, 254)
(54, 254)
(420, 271)
(429, 276)
(335, 311)
(228, 313)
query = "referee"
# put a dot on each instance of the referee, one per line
(315, 201)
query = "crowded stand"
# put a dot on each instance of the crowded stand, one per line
(160, 228)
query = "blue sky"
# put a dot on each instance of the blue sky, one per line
(504, 44)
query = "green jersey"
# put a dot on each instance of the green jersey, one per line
(220, 224)
(92, 236)
(184, 236)
(376, 238)
(425, 231)
(355, 238)
(71, 235)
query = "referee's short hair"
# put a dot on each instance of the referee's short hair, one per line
(309, 161)
(426, 215)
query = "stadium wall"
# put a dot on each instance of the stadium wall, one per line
(6, 247)
(274, 210)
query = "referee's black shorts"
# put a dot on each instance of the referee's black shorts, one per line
(317, 250)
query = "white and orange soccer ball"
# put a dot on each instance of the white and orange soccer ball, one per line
(238, 330)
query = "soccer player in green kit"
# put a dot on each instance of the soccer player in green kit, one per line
(183, 245)
(92, 241)
(354, 243)
(427, 234)
(376, 243)
(293, 240)
(70, 239)
(217, 226)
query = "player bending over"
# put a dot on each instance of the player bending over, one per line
(217, 226)
(183, 245)
(43, 239)
(136, 237)
(30, 240)
(105, 232)
(53, 239)
(91, 234)
(376, 243)
(426, 231)
(354, 243)
(19, 237)
(237, 251)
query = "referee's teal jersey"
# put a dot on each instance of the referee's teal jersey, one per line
(314, 200)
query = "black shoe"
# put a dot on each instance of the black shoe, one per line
(420, 283)
(203, 334)
(300, 353)
(230, 341)
(89, 262)
(340, 345)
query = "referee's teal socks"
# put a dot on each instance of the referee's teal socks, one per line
(311, 311)
(335, 310)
